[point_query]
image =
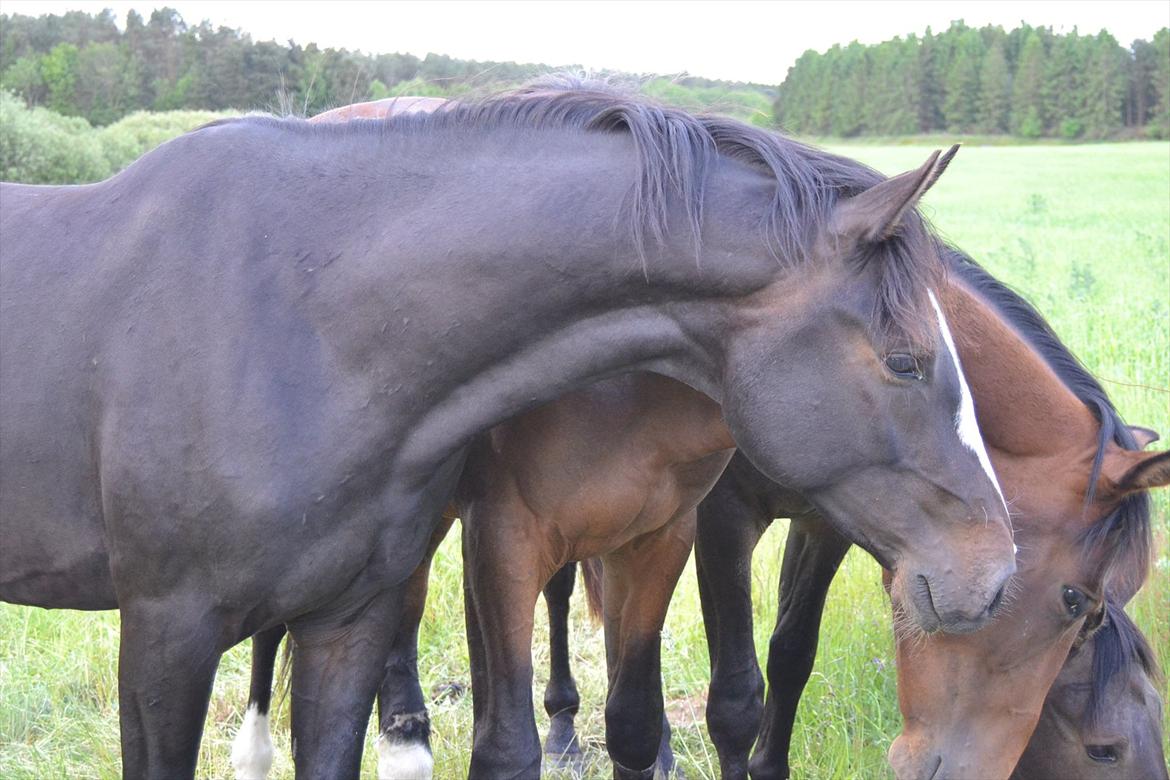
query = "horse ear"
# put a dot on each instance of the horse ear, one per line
(1126, 472)
(1143, 436)
(875, 214)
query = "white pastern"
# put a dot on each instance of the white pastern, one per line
(404, 760)
(252, 747)
(965, 422)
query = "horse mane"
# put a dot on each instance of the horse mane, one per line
(1117, 646)
(1125, 533)
(675, 150)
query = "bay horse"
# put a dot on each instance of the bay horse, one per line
(1076, 480)
(559, 480)
(239, 379)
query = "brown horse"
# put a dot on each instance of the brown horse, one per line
(1075, 479)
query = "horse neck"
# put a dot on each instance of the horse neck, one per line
(514, 312)
(1025, 411)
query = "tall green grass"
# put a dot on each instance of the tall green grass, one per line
(1083, 231)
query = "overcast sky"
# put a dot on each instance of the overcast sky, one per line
(738, 40)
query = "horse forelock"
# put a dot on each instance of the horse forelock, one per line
(1122, 536)
(1119, 647)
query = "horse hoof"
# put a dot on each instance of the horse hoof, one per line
(571, 762)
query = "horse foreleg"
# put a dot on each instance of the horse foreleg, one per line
(167, 660)
(730, 525)
(561, 699)
(404, 738)
(252, 747)
(639, 579)
(811, 557)
(337, 665)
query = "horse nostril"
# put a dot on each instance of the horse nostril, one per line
(1102, 754)
(995, 602)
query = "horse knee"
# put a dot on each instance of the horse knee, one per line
(734, 708)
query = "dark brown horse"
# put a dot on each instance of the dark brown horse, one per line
(558, 478)
(239, 380)
(1075, 478)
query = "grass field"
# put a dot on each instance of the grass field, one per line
(1083, 231)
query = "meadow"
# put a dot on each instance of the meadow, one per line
(1082, 230)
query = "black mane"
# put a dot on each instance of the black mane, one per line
(1124, 534)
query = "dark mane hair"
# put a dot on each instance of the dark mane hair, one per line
(1123, 534)
(675, 151)
(1117, 646)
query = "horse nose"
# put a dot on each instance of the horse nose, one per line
(1001, 592)
(962, 610)
(997, 600)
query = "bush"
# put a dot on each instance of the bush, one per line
(1030, 125)
(1071, 129)
(38, 146)
(745, 104)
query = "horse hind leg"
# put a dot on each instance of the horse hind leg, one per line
(639, 580)
(561, 700)
(404, 727)
(252, 748)
(503, 576)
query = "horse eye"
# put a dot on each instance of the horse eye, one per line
(1104, 754)
(904, 365)
(1074, 601)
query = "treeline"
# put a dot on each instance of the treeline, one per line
(1029, 82)
(83, 65)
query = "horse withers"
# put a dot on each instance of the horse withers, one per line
(238, 379)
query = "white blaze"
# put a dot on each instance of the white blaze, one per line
(965, 422)
(252, 747)
(403, 760)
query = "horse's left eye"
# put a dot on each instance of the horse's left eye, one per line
(1074, 601)
(904, 365)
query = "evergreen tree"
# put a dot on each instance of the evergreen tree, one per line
(961, 105)
(930, 87)
(1104, 87)
(1161, 81)
(995, 92)
(1028, 116)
